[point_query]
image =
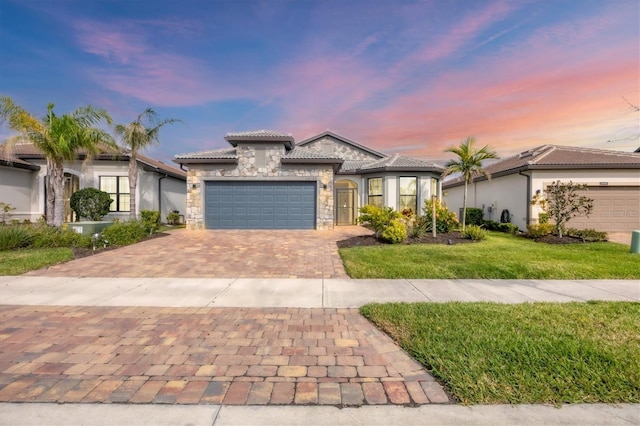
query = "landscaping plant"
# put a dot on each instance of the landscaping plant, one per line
(474, 232)
(150, 220)
(13, 237)
(446, 220)
(125, 233)
(91, 203)
(474, 216)
(378, 218)
(468, 164)
(562, 202)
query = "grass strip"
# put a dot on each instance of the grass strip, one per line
(500, 256)
(16, 262)
(551, 353)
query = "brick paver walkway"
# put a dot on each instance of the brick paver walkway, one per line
(219, 254)
(204, 356)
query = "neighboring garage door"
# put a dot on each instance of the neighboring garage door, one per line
(260, 205)
(615, 209)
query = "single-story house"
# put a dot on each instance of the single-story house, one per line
(612, 179)
(266, 180)
(22, 182)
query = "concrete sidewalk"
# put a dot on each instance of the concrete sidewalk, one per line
(204, 415)
(298, 293)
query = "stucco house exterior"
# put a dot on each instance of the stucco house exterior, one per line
(23, 171)
(612, 178)
(266, 180)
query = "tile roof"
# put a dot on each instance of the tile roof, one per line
(260, 136)
(395, 163)
(7, 159)
(212, 154)
(300, 153)
(24, 151)
(557, 157)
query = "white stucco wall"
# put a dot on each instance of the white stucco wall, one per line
(506, 192)
(16, 190)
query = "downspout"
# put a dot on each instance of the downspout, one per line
(160, 193)
(528, 208)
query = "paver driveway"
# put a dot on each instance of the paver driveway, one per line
(204, 356)
(219, 254)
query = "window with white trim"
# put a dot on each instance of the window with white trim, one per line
(408, 198)
(374, 191)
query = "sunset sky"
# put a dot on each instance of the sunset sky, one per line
(413, 77)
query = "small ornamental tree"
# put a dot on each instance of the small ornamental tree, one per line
(90, 203)
(562, 202)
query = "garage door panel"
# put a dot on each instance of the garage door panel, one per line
(260, 205)
(615, 209)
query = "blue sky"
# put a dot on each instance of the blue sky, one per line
(412, 77)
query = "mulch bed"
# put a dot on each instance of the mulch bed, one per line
(79, 252)
(449, 238)
(554, 239)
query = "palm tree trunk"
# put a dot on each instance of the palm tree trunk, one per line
(464, 206)
(133, 183)
(51, 192)
(58, 190)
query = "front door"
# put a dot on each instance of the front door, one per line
(345, 206)
(71, 185)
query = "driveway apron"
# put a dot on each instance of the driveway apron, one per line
(219, 254)
(228, 356)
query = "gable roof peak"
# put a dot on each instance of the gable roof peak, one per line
(343, 140)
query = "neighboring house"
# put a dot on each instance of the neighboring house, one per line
(612, 177)
(22, 183)
(267, 181)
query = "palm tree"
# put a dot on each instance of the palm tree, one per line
(60, 139)
(468, 164)
(136, 136)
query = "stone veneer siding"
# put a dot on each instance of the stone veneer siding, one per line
(252, 166)
(346, 152)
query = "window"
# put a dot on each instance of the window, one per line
(118, 189)
(375, 192)
(408, 194)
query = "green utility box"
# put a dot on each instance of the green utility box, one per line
(635, 242)
(88, 228)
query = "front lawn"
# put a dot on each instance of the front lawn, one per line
(487, 353)
(16, 262)
(500, 256)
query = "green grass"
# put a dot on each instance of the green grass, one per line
(16, 262)
(500, 256)
(487, 353)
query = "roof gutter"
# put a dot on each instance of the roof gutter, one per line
(160, 194)
(529, 196)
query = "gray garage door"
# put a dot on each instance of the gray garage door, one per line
(260, 205)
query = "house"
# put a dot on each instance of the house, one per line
(22, 182)
(612, 179)
(267, 181)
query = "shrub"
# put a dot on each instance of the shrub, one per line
(418, 227)
(540, 230)
(543, 217)
(445, 219)
(91, 203)
(45, 236)
(150, 220)
(13, 237)
(588, 235)
(474, 232)
(5, 212)
(173, 218)
(125, 233)
(491, 225)
(377, 217)
(509, 228)
(395, 232)
(474, 216)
